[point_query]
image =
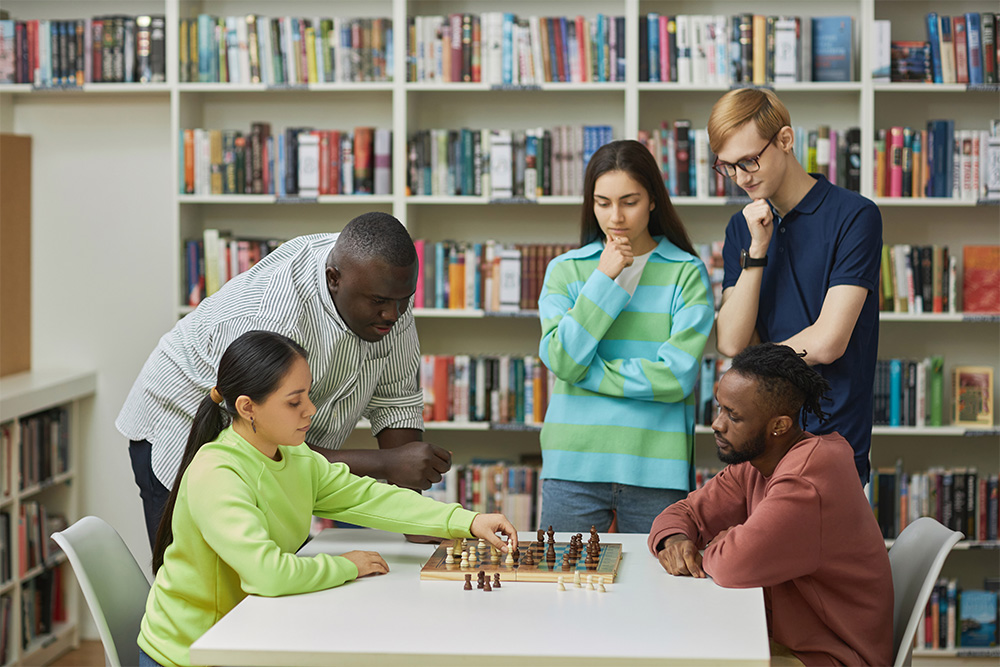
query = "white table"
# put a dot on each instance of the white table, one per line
(646, 617)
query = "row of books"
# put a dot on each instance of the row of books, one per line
(911, 392)
(494, 486)
(685, 158)
(956, 618)
(103, 49)
(502, 389)
(44, 451)
(500, 48)
(6, 460)
(958, 49)
(216, 257)
(33, 531)
(745, 49)
(43, 605)
(285, 50)
(502, 164)
(925, 279)
(5, 547)
(939, 161)
(300, 162)
(6, 603)
(491, 276)
(959, 498)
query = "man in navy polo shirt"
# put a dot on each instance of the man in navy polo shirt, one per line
(801, 262)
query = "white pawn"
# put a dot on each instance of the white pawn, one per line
(590, 582)
(600, 586)
(449, 558)
(472, 556)
(465, 559)
(576, 579)
(482, 544)
(509, 561)
(457, 547)
(561, 586)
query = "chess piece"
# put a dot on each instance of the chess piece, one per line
(510, 559)
(560, 586)
(541, 536)
(468, 582)
(465, 559)
(496, 580)
(576, 578)
(449, 558)
(486, 586)
(552, 535)
(482, 545)
(473, 557)
(590, 582)
(456, 548)
(601, 587)
(494, 555)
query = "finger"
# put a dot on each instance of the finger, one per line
(440, 465)
(441, 453)
(434, 476)
(692, 561)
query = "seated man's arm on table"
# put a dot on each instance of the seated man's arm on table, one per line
(780, 541)
(688, 525)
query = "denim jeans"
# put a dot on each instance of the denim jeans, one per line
(154, 495)
(146, 661)
(576, 506)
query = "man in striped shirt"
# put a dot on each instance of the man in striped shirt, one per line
(345, 298)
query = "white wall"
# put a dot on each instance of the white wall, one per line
(102, 261)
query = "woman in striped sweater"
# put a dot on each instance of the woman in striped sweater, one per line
(625, 318)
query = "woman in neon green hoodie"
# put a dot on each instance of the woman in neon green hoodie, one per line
(243, 503)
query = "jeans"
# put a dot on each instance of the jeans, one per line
(146, 661)
(154, 495)
(576, 506)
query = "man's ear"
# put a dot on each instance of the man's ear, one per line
(780, 425)
(333, 278)
(786, 139)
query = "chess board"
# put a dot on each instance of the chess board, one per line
(542, 569)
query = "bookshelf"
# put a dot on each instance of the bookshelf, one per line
(28, 484)
(627, 106)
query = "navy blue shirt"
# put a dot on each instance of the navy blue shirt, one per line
(832, 237)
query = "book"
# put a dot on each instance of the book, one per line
(981, 283)
(978, 618)
(833, 48)
(972, 396)
(881, 51)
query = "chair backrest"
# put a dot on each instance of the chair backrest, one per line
(112, 582)
(916, 558)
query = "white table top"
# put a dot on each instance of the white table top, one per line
(646, 616)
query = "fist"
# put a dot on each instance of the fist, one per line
(367, 562)
(617, 254)
(759, 217)
(416, 465)
(680, 557)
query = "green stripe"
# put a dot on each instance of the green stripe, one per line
(615, 440)
(664, 274)
(591, 316)
(690, 341)
(653, 327)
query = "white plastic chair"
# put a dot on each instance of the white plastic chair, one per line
(915, 558)
(112, 582)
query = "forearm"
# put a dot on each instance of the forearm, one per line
(816, 344)
(737, 320)
(361, 462)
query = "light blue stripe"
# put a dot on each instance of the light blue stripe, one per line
(621, 468)
(624, 413)
(699, 318)
(653, 298)
(630, 349)
(635, 384)
(575, 339)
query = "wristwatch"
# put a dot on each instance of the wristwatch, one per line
(746, 261)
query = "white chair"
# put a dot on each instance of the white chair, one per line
(915, 558)
(112, 582)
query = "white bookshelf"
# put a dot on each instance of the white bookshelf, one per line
(23, 395)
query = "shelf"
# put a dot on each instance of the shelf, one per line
(798, 86)
(470, 426)
(33, 391)
(969, 652)
(938, 317)
(46, 648)
(275, 200)
(359, 86)
(55, 480)
(923, 202)
(7, 586)
(56, 559)
(6, 502)
(89, 88)
(562, 200)
(965, 545)
(934, 88)
(548, 86)
(472, 313)
(968, 431)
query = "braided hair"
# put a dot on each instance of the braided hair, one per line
(787, 383)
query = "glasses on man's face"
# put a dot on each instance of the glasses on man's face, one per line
(749, 165)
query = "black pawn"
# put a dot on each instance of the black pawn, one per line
(496, 580)
(468, 582)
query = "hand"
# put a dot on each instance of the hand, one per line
(367, 562)
(416, 465)
(759, 217)
(680, 557)
(617, 254)
(423, 539)
(486, 526)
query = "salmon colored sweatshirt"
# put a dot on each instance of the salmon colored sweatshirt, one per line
(807, 535)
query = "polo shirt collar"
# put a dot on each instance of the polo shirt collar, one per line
(817, 193)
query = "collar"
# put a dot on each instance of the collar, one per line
(664, 249)
(323, 292)
(808, 204)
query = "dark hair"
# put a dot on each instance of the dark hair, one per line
(253, 365)
(786, 381)
(375, 235)
(635, 160)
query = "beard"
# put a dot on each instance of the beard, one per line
(751, 450)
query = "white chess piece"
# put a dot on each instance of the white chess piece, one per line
(465, 559)
(509, 561)
(590, 582)
(473, 557)
(449, 558)
(576, 579)
(600, 586)
(561, 586)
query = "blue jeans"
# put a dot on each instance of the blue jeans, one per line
(146, 661)
(154, 495)
(576, 506)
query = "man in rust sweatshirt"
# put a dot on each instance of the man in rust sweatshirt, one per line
(788, 514)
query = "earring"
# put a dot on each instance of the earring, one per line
(254, 426)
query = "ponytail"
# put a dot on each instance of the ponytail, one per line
(208, 424)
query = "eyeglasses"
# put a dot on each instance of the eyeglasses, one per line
(749, 165)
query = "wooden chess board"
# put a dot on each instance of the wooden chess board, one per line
(541, 570)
